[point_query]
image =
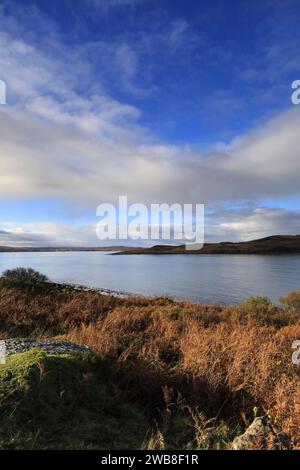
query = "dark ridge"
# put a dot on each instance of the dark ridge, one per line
(276, 244)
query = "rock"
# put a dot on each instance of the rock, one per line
(253, 437)
(261, 434)
(19, 345)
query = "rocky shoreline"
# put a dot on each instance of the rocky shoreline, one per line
(99, 290)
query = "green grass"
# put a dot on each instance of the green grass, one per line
(65, 402)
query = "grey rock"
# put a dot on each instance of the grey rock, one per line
(259, 434)
(18, 345)
(255, 435)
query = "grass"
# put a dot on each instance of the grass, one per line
(65, 402)
(193, 373)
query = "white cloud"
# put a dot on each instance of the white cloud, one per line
(91, 157)
(252, 223)
(47, 234)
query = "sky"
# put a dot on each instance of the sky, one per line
(165, 101)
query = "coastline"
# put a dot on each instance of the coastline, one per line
(97, 290)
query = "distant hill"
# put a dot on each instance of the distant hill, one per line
(276, 244)
(11, 249)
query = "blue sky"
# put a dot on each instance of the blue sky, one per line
(162, 100)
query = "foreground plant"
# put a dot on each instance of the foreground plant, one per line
(24, 275)
(65, 402)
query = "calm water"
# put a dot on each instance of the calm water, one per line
(207, 278)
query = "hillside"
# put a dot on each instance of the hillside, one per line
(276, 244)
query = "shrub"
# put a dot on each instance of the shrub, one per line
(257, 304)
(262, 312)
(292, 301)
(24, 275)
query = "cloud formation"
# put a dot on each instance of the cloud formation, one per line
(47, 234)
(64, 136)
(92, 157)
(228, 225)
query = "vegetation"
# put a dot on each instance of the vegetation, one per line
(25, 275)
(65, 402)
(190, 376)
(292, 302)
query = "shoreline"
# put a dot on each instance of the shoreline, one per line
(130, 295)
(98, 290)
(122, 295)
